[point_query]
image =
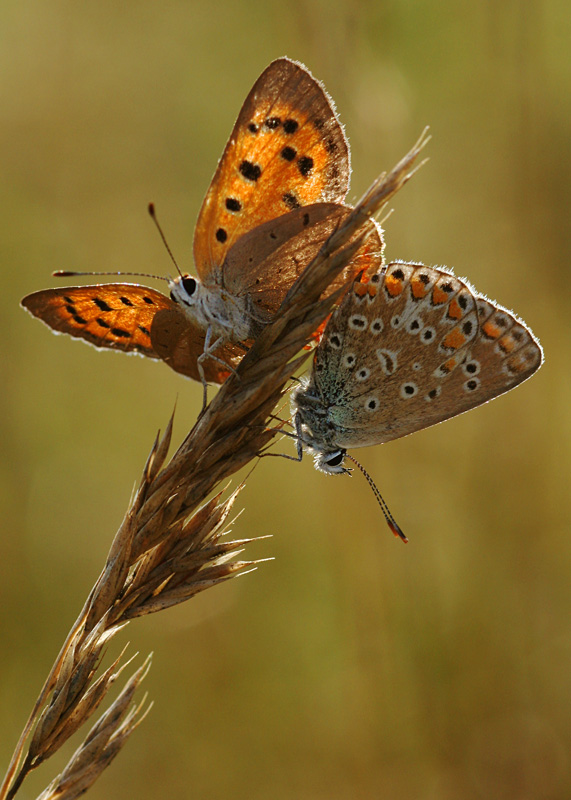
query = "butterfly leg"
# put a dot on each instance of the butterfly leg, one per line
(279, 455)
(299, 436)
(204, 385)
(291, 435)
(199, 363)
(208, 352)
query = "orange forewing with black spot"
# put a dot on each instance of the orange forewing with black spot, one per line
(133, 319)
(118, 316)
(287, 149)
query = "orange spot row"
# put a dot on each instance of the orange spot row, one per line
(507, 343)
(393, 285)
(454, 310)
(454, 339)
(438, 296)
(492, 331)
(418, 288)
(362, 289)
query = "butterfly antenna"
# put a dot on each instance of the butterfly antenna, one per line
(67, 273)
(385, 509)
(151, 209)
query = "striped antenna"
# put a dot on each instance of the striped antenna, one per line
(385, 509)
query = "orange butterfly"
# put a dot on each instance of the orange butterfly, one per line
(274, 200)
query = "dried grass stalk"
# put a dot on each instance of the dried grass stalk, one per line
(169, 547)
(102, 743)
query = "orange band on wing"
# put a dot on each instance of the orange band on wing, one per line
(454, 339)
(393, 285)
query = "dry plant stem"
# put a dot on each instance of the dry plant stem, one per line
(149, 567)
(101, 745)
(167, 549)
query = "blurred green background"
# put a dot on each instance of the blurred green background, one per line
(351, 666)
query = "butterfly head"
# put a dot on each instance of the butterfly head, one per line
(184, 290)
(315, 431)
(330, 461)
(211, 308)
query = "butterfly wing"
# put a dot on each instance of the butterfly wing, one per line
(504, 354)
(117, 316)
(277, 253)
(413, 347)
(287, 150)
(179, 343)
(265, 262)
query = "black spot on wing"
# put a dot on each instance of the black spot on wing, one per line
(101, 304)
(291, 201)
(305, 165)
(250, 171)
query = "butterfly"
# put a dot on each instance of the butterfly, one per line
(410, 347)
(276, 197)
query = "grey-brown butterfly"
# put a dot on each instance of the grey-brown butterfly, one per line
(410, 347)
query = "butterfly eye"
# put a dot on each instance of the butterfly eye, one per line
(331, 463)
(189, 285)
(335, 460)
